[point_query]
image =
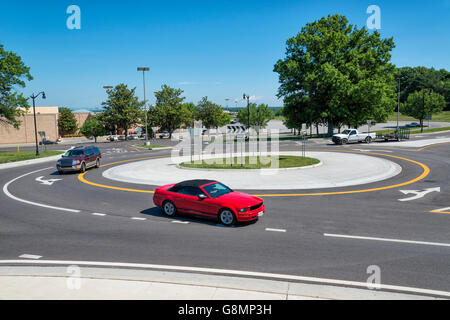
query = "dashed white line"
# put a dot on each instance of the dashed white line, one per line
(275, 230)
(99, 214)
(180, 222)
(30, 256)
(5, 190)
(388, 240)
(137, 218)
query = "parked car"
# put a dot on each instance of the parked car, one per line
(79, 159)
(413, 125)
(164, 134)
(208, 198)
(133, 137)
(122, 138)
(47, 142)
(352, 135)
(113, 138)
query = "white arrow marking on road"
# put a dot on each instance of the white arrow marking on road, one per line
(418, 194)
(47, 182)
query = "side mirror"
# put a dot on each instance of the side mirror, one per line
(202, 197)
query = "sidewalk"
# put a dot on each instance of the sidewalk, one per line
(61, 283)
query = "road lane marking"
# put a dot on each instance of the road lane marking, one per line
(425, 173)
(387, 240)
(443, 210)
(275, 230)
(137, 218)
(30, 256)
(99, 214)
(49, 182)
(180, 222)
(433, 145)
(6, 191)
(228, 272)
(418, 194)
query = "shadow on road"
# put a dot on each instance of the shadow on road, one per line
(157, 212)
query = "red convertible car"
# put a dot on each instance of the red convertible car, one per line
(208, 198)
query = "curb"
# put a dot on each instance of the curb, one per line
(30, 162)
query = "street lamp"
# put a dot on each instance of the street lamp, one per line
(398, 106)
(248, 108)
(34, 96)
(143, 69)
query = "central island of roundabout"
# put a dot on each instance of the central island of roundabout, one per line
(334, 170)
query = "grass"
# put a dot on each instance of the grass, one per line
(416, 131)
(443, 116)
(252, 162)
(6, 157)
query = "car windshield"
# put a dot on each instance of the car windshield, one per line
(346, 132)
(74, 153)
(217, 189)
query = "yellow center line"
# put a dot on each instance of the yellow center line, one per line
(425, 173)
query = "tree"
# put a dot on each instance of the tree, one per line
(13, 73)
(169, 112)
(259, 115)
(123, 109)
(341, 72)
(67, 124)
(418, 78)
(93, 127)
(192, 109)
(423, 103)
(211, 114)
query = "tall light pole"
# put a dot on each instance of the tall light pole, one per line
(143, 69)
(34, 96)
(248, 108)
(398, 106)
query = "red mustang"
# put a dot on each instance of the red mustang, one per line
(210, 199)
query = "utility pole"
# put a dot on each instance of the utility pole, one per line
(248, 109)
(143, 69)
(398, 106)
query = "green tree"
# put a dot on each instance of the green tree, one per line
(67, 124)
(423, 103)
(341, 72)
(123, 109)
(259, 115)
(13, 74)
(192, 108)
(93, 127)
(169, 112)
(211, 114)
(418, 78)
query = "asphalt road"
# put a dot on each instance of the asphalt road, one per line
(307, 240)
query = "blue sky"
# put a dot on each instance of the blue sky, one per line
(218, 49)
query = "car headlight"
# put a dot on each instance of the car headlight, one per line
(244, 210)
(75, 162)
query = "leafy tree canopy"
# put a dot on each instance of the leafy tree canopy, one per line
(93, 127)
(13, 74)
(343, 73)
(123, 109)
(211, 114)
(259, 115)
(67, 124)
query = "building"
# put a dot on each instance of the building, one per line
(46, 121)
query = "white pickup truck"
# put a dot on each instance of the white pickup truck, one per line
(352, 135)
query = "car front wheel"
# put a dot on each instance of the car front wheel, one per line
(227, 217)
(97, 163)
(169, 208)
(83, 167)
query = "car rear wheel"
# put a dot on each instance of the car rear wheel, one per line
(227, 217)
(169, 208)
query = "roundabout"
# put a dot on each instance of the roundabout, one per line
(334, 170)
